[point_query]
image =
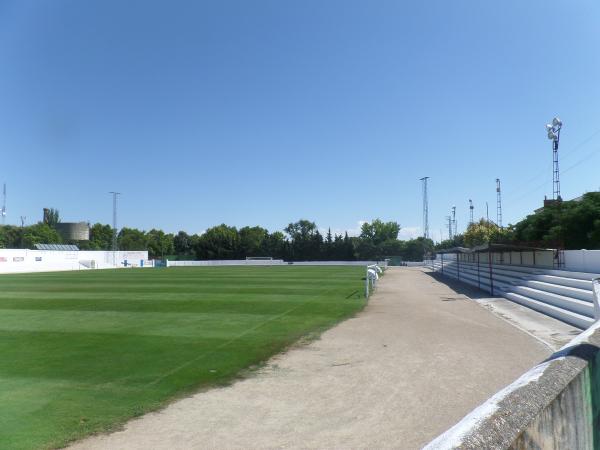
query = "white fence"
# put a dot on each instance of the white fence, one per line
(273, 262)
(226, 262)
(21, 260)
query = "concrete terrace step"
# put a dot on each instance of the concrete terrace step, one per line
(560, 301)
(561, 294)
(569, 317)
(560, 289)
(564, 281)
(577, 275)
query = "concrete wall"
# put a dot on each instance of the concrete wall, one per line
(554, 406)
(582, 260)
(18, 260)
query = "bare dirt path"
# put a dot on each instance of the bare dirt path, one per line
(413, 363)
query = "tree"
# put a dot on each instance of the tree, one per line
(252, 241)
(100, 237)
(132, 239)
(220, 242)
(574, 224)
(378, 231)
(11, 236)
(159, 243)
(276, 246)
(182, 243)
(51, 217)
(482, 232)
(305, 239)
(40, 233)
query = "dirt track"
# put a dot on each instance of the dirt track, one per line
(413, 363)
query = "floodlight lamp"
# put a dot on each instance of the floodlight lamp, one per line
(551, 135)
(548, 127)
(557, 122)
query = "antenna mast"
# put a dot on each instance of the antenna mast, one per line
(498, 204)
(425, 208)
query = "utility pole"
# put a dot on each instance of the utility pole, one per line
(425, 208)
(470, 212)
(553, 130)
(114, 237)
(498, 204)
(449, 219)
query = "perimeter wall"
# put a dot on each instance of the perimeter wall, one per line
(21, 260)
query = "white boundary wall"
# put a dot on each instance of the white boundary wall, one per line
(582, 260)
(21, 260)
(273, 262)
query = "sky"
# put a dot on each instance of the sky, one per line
(265, 112)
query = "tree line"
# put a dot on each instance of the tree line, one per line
(571, 225)
(299, 241)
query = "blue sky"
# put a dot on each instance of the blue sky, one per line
(264, 112)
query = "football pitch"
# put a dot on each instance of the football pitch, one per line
(82, 352)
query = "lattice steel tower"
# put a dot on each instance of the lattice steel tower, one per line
(425, 208)
(470, 211)
(449, 219)
(114, 237)
(554, 135)
(498, 204)
(454, 220)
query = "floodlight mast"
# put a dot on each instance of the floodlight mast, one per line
(553, 130)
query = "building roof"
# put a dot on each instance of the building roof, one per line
(58, 247)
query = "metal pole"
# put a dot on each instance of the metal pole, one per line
(478, 281)
(491, 274)
(458, 266)
(596, 290)
(442, 264)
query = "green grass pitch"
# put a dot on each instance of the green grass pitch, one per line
(85, 351)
